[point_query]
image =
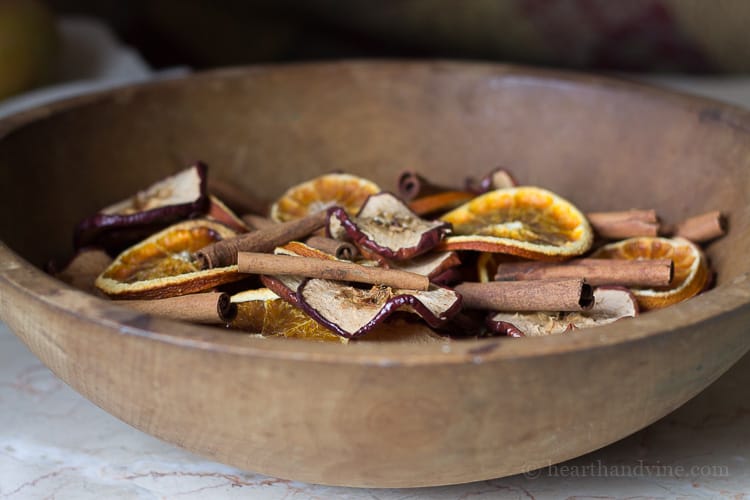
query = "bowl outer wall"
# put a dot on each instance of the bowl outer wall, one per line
(389, 415)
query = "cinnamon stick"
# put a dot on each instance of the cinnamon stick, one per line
(240, 200)
(224, 253)
(337, 248)
(543, 295)
(412, 185)
(311, 267)
(643, 273)
(701, 228)
(208, 308)
(624, 224)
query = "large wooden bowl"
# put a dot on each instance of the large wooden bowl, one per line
(378, 414)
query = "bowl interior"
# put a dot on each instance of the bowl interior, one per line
(602, 144)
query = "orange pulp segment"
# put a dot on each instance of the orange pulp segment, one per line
(344, 190)
(262, 311)
(691, 272)
(525, 221)
(162, 265)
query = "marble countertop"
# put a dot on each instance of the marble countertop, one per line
(56, 444)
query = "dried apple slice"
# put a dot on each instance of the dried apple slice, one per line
(505, 329)
(431, 264)
(387, 227)
(435, 306)
(352, 311)
(611, 303)
(220, 212)
(525, 221)
(163, 265)
(442, 268)
(169, 200)
(321, 193)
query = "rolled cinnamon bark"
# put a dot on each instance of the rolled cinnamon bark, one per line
(208, 308)
(337, 248)
(542, 295)
(412, 185)
(311, 267)
(640, 273)
(224, 253)
(624, 224)
(702, 228)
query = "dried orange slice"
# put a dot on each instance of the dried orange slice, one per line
(345, 190)
(525, 221)
(691, 271)
(262, 311)
(163, 265)
(439, 202)
(487, 263)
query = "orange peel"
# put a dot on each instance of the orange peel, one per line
(163, 266)
(439, 202)
(526, 221)
(344, 190)
(263, 312)
(691, 271)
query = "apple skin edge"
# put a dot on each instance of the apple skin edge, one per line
(429, 239)
(116, 232)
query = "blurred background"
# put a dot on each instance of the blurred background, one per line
(684, 36)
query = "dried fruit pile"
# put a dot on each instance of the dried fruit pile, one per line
(340, 259)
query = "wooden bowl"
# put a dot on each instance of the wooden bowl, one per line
(378, 414)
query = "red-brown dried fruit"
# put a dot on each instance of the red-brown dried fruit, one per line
(611, 303)
(351, 311)
(431, 264)
(174, 198)
(386, 226)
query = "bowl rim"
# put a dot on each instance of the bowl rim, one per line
(44, 291)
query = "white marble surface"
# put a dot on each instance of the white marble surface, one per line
(55, 444)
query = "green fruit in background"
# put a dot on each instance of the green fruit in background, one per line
(28, 45)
